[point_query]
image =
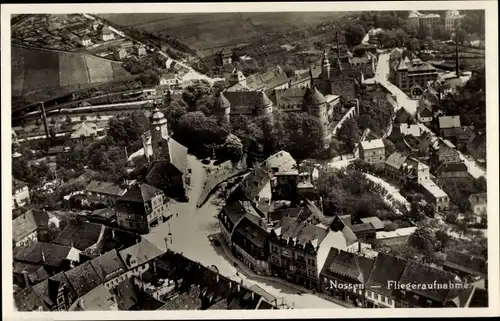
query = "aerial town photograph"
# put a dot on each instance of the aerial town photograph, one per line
(249, 160)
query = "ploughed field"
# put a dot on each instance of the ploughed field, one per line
(207, 30)
(36, 69)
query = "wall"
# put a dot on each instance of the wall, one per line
(33, 237)
(258, 266)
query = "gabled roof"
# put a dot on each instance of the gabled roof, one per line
(290, 96)
(402, 116)
(478, 198)
(221, 102)
(254, 182)
(108, 264)
(99, 299)
(54, 254)
(105, 188)
(374, 221)
(140, 193)
(452, 167)
(385, 268)
(246, 102)
(300, 232)
(253, 232)
(470, 264)
(83, 278)
(372, 144)
(449, 122)
(281, 160)
(348, 265)
(464, 132)
(141, 252)
(422, 274)
(28, 223)
(396, 160)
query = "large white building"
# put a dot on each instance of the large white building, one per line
(452, 19)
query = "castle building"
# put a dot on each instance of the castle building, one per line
(339, 79)
(415, 19)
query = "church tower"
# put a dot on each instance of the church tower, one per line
(237, 77)
(223, 108)
(317, 106)
(325, 67)
(159, 135)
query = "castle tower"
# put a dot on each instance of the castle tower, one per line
(159, 135)
(325, 67)
(237, 77)
(317, 106)
(223, 108)
(265, 105)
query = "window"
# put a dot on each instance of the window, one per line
(389, 301)
(384, 299)
(369, 293)
(377, 297)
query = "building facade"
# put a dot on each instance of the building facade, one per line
(372, 151)
(411, 73)
(20, 193)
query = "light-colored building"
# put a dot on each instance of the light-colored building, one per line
(452, 20)
(435, 196)
(415, 19)
(86, 41)
(29, 227)
(478, 203)
(140, 50)
(372, 151)
(415, 73)
(121, 53)
(169, 79)
(107, 34)
(20, 193)
(85, 129)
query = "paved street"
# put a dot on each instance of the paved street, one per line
(189, 235)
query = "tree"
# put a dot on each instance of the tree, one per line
(391, 227)
(349, 132)
(423, 240)
(174, 113)
(232, 149)
(423, 31)
(195, 92)
(68, 119)
(443, 238)
(353, 35)
(83, 117)
(461, 36)
(149, 78)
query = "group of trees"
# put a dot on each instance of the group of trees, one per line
(460, 190)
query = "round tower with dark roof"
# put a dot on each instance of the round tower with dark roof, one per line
(159, 135)
(265, 106)
(317, 106)
(223, 108)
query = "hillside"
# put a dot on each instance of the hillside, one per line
(205, 30)
(37, 69)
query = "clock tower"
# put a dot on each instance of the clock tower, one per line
(159, 135)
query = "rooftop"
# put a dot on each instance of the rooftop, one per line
(105, 188)
(43, 253)
(27, 223)
(397, 233)
(140, 253)
(449, 122)
(140, 193)
(372, 144)
(348, 265)
(432, 188)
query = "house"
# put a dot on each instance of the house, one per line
(139, 50)
(393, 166)
(84, 129)
(29, 227)
(465, 266)
(104, 190)
(410, 129)
(225, 57)
(231, 214)
(443, 154)
(37, 261)
(343, 268)
(372, 151)
(478, 203)
(141, 208)
(460, 137)
(169, 79)
(363, 228)
(138, 259)
(452, 171)
(425, 110)
(399, 236)
(378, 293)
(120, 53)
(435, 196)
(99, 299)
(250, 243)
(402, 117)
(452, 20)
(95, 24)
(412, 76)
(86, 41)
(272, 79)
(106, 216)
(107, 34)
(415, 19)
(20, 193)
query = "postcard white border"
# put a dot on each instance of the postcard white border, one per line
(491, 8)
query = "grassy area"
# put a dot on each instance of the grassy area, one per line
(206, 30)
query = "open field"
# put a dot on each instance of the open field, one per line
(37, 69)
(207, 30)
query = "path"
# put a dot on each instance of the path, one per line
(391, 190)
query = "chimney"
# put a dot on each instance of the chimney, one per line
(154, 266)
(253, 295)
(457, 63)
(44, 116)
(26, 279)
(43, 256)
(72, 243)
(113, 233)
(239, 287)
(217, 278)
(311, 76)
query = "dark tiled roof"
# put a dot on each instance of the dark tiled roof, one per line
(39, 275)
(363, 227)
(277, 215)
(105, 188)
(140, 193)
(290, 97)
(449, 122)
(245, 102)
(234, 211)
(467, 263)
(80, 235)
(104, 213)
(463, 132)
(422, 274)
(253, 183)
(252, 232)
(83, 278)
(349, 265)
(35, 252)
(402, 116)
(142, 252)
(268, 80)
(29, 300)
(452, 167)
(108, 264)
(29, 222)
(313, 96)
(300, 232)
(185, 301)
(386, 268)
